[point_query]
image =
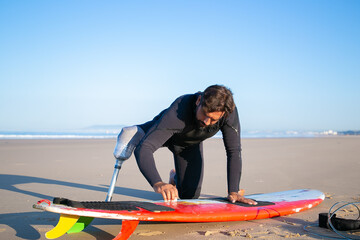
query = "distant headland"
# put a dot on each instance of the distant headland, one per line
(350, 132)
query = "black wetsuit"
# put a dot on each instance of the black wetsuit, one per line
(178, 129)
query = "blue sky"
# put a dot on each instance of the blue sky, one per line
(292, 65)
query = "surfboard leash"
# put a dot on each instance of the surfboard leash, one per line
(337, 225)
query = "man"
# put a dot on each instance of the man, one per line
(182, 128)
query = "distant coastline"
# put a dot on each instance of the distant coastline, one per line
(109, 132)
(349, 133)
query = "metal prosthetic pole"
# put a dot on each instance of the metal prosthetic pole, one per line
(117, 168)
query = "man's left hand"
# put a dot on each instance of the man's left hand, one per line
(239, 197)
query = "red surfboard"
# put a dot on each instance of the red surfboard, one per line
(194, 210)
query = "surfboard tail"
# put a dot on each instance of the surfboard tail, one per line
(127, 228)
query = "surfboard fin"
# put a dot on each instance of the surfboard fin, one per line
(80, 225)
(127, 228)
(65, 223)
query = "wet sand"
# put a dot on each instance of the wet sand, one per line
(81, 170)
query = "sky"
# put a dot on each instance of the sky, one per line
(292, 65)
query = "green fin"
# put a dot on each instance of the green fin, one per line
(81, 224)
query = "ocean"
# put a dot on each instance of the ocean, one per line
(112, 133)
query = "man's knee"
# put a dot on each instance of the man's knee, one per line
(190, 193)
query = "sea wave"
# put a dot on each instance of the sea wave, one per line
(110, 134)
(57, 135)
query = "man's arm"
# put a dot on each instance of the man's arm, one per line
(144, 154)
(162, 130)
(231, 138)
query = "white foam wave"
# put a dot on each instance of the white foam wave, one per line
(54, 136)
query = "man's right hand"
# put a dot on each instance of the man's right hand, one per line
(168, 191)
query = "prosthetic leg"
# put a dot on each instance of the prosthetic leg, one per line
(127, 141)
(117, 168)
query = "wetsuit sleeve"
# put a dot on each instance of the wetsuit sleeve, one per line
(162, 130)
(231, 138)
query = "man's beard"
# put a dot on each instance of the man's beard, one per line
(201, 124)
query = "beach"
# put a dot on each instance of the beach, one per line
(81, 169)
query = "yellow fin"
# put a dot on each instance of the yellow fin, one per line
(64, 225)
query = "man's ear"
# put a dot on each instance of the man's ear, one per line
(198, 100)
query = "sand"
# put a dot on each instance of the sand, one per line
(81, 170)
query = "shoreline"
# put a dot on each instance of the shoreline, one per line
(112, 134)
(113, 138)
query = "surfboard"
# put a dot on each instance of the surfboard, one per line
(192, 210)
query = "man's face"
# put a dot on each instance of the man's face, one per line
(207, 118)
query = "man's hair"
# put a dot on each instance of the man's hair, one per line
(217, 98)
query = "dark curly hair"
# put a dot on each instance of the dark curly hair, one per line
(217, 98)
